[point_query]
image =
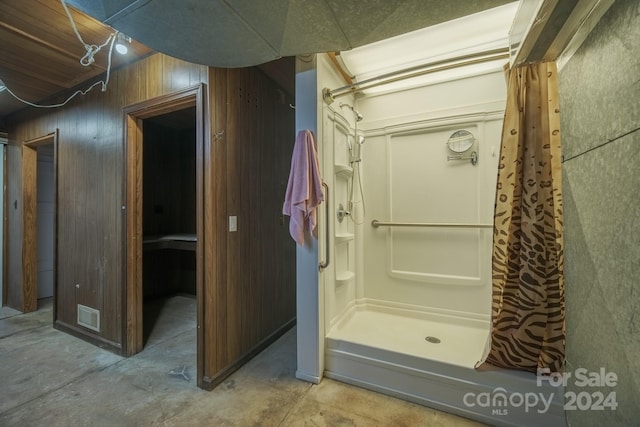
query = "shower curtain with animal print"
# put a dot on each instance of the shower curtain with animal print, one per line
(528, 309)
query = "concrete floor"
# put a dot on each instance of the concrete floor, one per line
(49, 378)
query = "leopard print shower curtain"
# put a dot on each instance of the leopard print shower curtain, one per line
(528, 309)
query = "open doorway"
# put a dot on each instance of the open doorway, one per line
(164, 219)
(39, 220)
(45, 222)
(169, 223)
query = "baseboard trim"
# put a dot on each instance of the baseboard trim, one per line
(313, 379)
(209, 383)
(89, 337)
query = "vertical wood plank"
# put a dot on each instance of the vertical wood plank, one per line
(216, 294)
(111, 239)
(29, 254)
(133, 333)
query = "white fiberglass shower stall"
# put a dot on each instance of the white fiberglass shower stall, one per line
(420, 283)
(404, 304)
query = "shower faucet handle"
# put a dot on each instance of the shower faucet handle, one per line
(342, 212)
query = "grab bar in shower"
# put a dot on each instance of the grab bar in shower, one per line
(324, 264)
(375, 224)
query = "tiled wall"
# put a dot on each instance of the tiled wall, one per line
(600, 113)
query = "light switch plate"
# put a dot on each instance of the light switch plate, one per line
(233, 223)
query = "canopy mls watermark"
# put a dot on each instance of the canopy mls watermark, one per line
(594, 396)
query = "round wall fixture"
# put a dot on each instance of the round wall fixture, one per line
(460, 141)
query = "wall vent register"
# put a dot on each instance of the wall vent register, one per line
(89, 317)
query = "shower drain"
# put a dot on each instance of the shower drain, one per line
(432, 340)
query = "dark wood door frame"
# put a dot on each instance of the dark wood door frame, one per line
(29, 220)
(134, 116)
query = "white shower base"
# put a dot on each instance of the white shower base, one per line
(384, 349)
(462, 341)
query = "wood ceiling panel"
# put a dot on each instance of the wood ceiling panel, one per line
(41, 62)
(28, 87)
(40, 53)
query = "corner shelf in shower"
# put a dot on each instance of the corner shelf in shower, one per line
(343, 171)
(343, 238)
(344, 277)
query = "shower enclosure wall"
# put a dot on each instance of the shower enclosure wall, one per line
(406, 310)
(410, 176)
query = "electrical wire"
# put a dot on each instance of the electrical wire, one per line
(91, 49)
(608, 141)
(103, 83)
(85, 61)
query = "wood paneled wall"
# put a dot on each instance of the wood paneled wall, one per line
(90, 189)
(249, 274)
(252, 136)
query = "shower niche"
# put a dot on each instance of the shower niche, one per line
(343, 174)
(341, 171)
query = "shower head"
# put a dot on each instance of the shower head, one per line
(356, 113)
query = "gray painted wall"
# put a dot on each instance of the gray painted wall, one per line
(600, 113)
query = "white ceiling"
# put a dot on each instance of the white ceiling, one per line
(472, 34)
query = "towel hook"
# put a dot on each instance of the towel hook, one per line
(218, 135)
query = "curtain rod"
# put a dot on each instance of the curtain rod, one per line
(375, 224)
(419, 70)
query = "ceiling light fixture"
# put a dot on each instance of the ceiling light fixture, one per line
(121, 47)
